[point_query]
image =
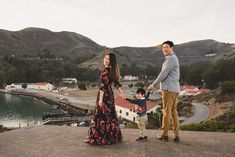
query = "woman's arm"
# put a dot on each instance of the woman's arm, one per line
(118, 86)
(101, 97)
(103, 86)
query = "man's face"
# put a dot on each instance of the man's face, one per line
(166, 49)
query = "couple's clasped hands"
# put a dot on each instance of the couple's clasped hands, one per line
(150, 87)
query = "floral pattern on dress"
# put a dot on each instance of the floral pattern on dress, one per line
(105, 128)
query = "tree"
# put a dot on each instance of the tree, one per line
(82, 86)
(24, 85)
(228, 87)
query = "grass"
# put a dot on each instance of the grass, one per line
(223, 123)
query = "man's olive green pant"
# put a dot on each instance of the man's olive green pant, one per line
(169, 110)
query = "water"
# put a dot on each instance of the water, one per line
(15, 110)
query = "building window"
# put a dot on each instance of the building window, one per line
(134, 119)
(120, 111)
(127, 114)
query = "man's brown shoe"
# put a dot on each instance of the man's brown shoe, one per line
(163, 138)
(176, 139)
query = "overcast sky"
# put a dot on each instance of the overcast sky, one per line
(126, 22)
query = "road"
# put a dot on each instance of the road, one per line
(201, 113)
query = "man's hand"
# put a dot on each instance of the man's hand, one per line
(151, 87)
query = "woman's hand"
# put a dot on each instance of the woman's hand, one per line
(92, 121)
(101, 102)
(122, 95)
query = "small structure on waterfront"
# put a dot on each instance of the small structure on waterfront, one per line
(70, 80)
(130, 78)
(37, 86)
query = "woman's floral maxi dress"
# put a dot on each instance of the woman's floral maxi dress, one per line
(105, 128)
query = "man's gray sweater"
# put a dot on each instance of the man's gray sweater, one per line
(169, 75)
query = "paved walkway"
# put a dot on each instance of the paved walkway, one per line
(62, 141)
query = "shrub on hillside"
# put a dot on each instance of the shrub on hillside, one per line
(211, 125)
(232, 128)
(2, 128)
(87, 83)
(93, 85)
(228, 87)
(82, 86)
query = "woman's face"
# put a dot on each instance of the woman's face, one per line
(106, 60)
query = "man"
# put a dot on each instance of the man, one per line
(169, 84)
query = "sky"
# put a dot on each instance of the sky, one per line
(113, 23)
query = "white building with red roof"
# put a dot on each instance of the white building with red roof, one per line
(41, 86)
(127, 111)
(191, 90)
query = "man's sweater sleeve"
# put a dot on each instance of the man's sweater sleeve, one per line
(164, 72)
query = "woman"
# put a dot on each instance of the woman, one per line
(105, 128)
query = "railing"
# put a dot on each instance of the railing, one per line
(66, 119)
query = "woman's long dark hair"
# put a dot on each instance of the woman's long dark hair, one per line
(114, 68)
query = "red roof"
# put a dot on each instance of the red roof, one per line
(193, 92)
(41, 83)
(189, 87)
(204, 90)
(125, 104)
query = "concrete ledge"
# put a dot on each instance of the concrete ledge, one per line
(62, 141)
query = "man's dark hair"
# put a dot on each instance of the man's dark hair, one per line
(170, 43)
(141, 91)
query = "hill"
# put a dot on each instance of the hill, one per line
(188, 53)
(36, 42)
